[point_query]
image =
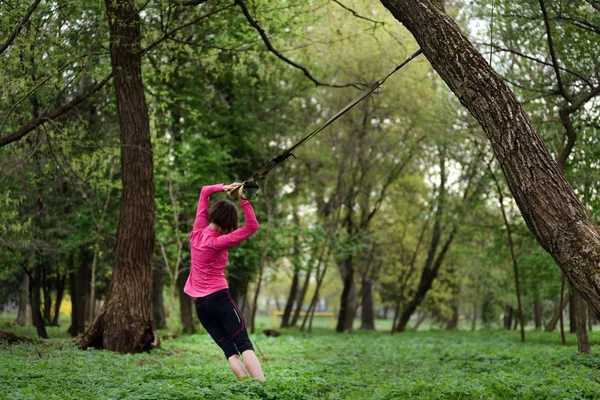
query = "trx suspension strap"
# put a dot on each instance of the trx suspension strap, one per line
(249, 187)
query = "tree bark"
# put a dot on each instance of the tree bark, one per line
(24, 311)
(125, 323)
(552, 211)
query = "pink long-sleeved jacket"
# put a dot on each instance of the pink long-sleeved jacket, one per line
(209, 248)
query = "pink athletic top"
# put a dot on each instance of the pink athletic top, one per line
(209, 248)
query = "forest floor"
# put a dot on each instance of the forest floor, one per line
(436, 364)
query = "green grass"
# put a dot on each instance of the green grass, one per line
(324, 365)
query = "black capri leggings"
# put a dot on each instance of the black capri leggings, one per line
(224, 322)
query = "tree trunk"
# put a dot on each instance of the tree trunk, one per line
(289, 305)
(36, 301)
(47, 289)
(432, 264)
(60, 291)
(125, 322)
(301, 296)
(24, 312)
(187, 309)
(474, 320)
(545, 199)
(512, 253)
(508, 317)
(367, 315)
(287, 311)
(158, 307)
(551, 325)
(78, 288)
(348, 298)
(580, 316)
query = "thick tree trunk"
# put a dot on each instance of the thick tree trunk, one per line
(24, 311)
(158, 307)
(187, 310)
(125, 323)
(552, 211)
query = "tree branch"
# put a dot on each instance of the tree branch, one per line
(270, 47)
(19, 26)
(57, 113)
(81, 97)
(555, 65)
(537, 60)
(357, 15)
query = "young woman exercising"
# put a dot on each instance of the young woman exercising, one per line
(215, 231)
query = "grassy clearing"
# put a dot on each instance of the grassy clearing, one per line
(324, 365)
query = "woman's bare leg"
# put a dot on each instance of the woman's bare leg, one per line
(237, 367)
(253, 365)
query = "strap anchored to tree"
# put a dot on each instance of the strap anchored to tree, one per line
(250, 183)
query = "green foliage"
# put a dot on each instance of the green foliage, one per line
(432, 365)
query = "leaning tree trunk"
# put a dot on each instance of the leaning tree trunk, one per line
(125, 323)
(552, 211)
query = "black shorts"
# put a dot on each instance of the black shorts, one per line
(224, 322)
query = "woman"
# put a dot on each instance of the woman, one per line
(215, 231)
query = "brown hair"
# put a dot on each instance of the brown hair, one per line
(224, 214)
